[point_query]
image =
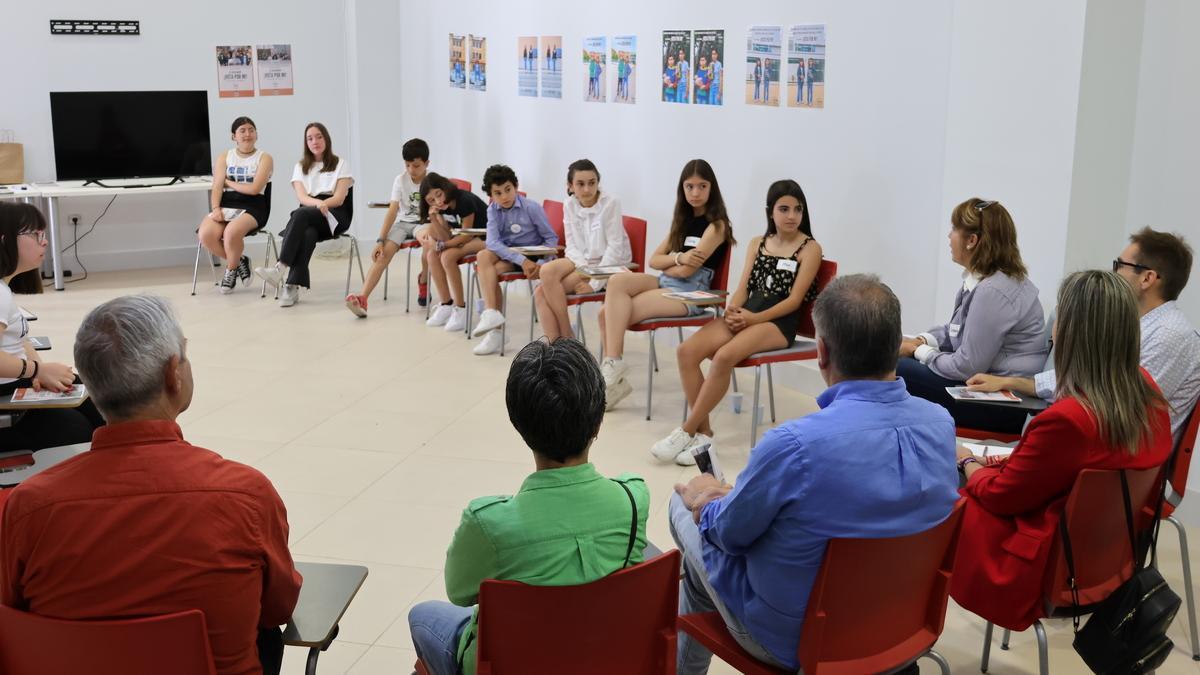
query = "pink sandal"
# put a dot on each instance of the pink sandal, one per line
(357, 304)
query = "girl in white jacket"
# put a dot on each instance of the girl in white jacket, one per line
(595, 236)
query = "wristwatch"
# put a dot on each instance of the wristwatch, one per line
(379, 241)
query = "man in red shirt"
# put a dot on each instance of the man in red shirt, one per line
(146, 523)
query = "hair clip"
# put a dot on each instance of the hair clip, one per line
(980, 206)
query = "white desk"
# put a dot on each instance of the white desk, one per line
(55, 191)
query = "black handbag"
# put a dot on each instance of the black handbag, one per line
(1126, 632)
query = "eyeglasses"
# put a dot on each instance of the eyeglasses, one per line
(983, 205)
(1141, 268)
(40, 235)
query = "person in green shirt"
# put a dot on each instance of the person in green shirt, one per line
(567, 525)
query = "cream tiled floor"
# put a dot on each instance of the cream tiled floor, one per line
(377, 432)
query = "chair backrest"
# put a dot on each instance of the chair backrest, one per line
(461, 184)
(1095, 518)
(825, 274)
(623, 623)
(37, 645)
(635, 229)
(720, 280)
(1183, 460)
(878, 602)
(554, 214)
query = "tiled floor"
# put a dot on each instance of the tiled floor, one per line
(377, 432)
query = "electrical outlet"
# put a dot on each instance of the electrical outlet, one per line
(74, 219)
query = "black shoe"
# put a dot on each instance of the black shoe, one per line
(243, 270)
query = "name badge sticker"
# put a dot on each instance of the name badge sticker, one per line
(692, 241)
(516, 228)
(953, 329)
(789, 265)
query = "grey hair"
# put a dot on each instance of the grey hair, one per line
(121, 348)
(858, 317)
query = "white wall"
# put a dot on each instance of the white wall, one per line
(870, 163)
(174, 51)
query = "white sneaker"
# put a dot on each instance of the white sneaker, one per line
(272, 275)
(490, 320)
(614, 394)
(289, 296)
(441, 314)
(458, 320)
(668, 449)
(490, 344)
(686, 458)
(613, 371)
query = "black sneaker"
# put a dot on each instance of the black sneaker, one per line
(243, 270)
(228, 281)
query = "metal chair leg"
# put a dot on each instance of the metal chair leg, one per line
(733, 376)
(650, 376)
(271, 250)
(1187, 585)
(771, 392)
(1004, 639)
(472, 284)
(1043, 649)
(386, 278)
(349, 266)
(196, 269)
(580, 334)
(987, 648)
(532, 310)
(754, 408)
(504, 326)
(943, 665)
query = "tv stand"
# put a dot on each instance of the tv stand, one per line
(97, 182)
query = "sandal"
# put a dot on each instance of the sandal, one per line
(357, 304)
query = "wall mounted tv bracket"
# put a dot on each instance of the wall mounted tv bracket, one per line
(94, 27)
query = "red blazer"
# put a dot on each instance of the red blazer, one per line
(1013, 509)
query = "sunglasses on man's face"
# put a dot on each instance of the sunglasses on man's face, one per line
(1118, 263)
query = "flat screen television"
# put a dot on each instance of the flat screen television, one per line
(130, 134)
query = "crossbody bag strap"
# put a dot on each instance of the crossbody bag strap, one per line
(1069, 555)
(632, 523)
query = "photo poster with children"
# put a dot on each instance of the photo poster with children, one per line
(235, 71)
(806, 66)
(551, 51)
(458, 61)
(595, 55)
(763, 51)
(478, 78)
(527, 66)
(708, 65)
(624, 61)
(676, 71)
(275, 70)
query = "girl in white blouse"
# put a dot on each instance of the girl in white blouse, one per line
(595, 236)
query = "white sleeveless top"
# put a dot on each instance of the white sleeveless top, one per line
(242, 169)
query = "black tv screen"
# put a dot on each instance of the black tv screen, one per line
(130, 134)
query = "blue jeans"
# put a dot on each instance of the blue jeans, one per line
(436, 628)
(696, 594)
(810, 85)
(701, 280)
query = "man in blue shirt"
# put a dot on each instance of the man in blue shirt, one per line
(873, 462)
(513, 221)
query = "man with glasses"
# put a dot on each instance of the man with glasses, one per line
(1157, 266)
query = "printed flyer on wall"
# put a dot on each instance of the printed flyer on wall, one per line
(550, 47)
(624, 60)
(458, 61)
(235, 71)
(478, 79)
(763, 51)
(677, 73)
(275, 70)
(527, 66)
(594, 59)
(806, 66)
(708, 62)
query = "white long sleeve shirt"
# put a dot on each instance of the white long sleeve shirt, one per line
(595, 234)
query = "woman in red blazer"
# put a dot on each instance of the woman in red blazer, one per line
(1108, 414)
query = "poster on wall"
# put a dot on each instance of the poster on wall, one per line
(478, 79)
(595, 55)
(763, 52)
(274, 70)
(551, 51)
(806, 66)
(708, 59)
(676, 45)
(527, 66)
(624, 60)
(458, 60)
(235, 71)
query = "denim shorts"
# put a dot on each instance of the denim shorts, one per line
(700, 280)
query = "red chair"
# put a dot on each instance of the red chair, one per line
(876, 605)
(172, 643)
(1178, 482)
(1095, 519)
(797, 352)
(635, 229)
(720, 283)
(461, 184)
(983, 435)
(623, 623)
